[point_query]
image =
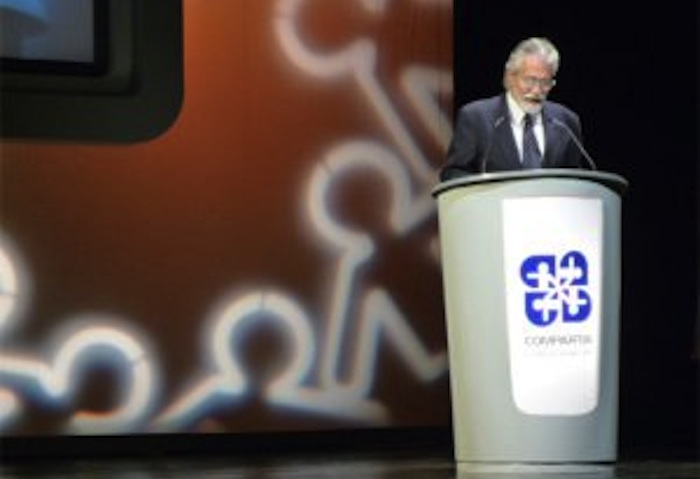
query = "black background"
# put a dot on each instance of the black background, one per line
(630, 70)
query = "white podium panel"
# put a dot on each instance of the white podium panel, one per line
(552, 256)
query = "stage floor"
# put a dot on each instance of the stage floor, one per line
(335, 466)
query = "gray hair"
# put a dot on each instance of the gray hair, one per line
(534, 46)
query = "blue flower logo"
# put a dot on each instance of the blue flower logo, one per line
(556, 288)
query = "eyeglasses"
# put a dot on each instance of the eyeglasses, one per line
(543, 83)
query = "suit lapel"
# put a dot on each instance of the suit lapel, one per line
(552, 137)
(507, 154)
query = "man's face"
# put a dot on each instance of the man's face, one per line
(531, 83)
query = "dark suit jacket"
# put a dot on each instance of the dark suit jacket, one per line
(484, 141)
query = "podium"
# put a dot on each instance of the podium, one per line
(531, 275)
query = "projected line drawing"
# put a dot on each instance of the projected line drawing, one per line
(92, 339)
(57, 382)
(9, 288)
(380, 319)
(359, 61)
(325, 375)
(421, 85)
(356, 248)
(10, 404)
(378, 313)
(227, 384)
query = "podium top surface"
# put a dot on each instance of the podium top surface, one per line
(613, 181)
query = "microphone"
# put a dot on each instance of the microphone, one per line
(576, 141)
(489, 147)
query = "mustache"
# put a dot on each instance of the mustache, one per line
(535, 98)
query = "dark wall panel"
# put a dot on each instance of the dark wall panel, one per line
(630, 71)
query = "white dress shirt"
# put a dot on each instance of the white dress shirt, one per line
(517, 123)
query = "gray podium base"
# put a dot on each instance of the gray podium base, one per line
(475, 470)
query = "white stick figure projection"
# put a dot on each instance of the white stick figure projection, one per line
(326, 375)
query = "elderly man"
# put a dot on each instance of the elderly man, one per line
(520, 128)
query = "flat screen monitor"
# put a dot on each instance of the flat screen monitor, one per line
(89, 70)
(69, 36)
